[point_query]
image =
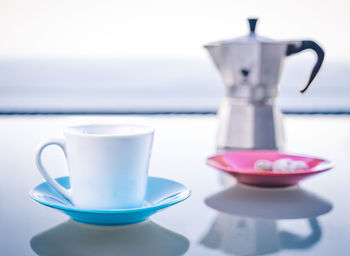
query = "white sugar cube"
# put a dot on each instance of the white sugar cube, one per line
(299, 165)
(280, 165)
(263, 165)
(283, 165)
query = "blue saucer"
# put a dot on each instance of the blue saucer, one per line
(161, 193)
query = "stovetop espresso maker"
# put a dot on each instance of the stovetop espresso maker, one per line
(250, 68)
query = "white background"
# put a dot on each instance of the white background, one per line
(161, 28)
(137, 55)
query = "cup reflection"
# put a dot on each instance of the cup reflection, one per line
(146, 238)
(247, 220)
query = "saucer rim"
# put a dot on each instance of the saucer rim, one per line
(186, 193)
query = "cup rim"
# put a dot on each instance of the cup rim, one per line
(73, 130)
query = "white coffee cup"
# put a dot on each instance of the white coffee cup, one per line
(107, 164)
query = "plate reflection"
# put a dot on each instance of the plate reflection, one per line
(146, 238)
(246, 223)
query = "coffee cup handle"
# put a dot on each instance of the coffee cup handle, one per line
(67, 193)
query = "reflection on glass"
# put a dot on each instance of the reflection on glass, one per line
(146, 238)
(247, 220)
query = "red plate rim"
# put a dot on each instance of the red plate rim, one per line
(326, 165)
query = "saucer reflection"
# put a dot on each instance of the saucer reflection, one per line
(269, 203)
(146, 238)
(247, 222)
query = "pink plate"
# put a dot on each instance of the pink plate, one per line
(240, 164)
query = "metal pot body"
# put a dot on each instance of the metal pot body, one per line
(245, 124)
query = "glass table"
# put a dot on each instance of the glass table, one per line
(220, 218)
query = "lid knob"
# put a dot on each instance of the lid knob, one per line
(252, 24)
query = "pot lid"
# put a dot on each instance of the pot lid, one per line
(251, 38)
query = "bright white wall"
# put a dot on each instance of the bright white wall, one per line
(161, 28)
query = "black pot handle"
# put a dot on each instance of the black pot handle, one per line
(296, 47)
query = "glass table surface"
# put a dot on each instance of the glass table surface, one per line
(220, 218)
